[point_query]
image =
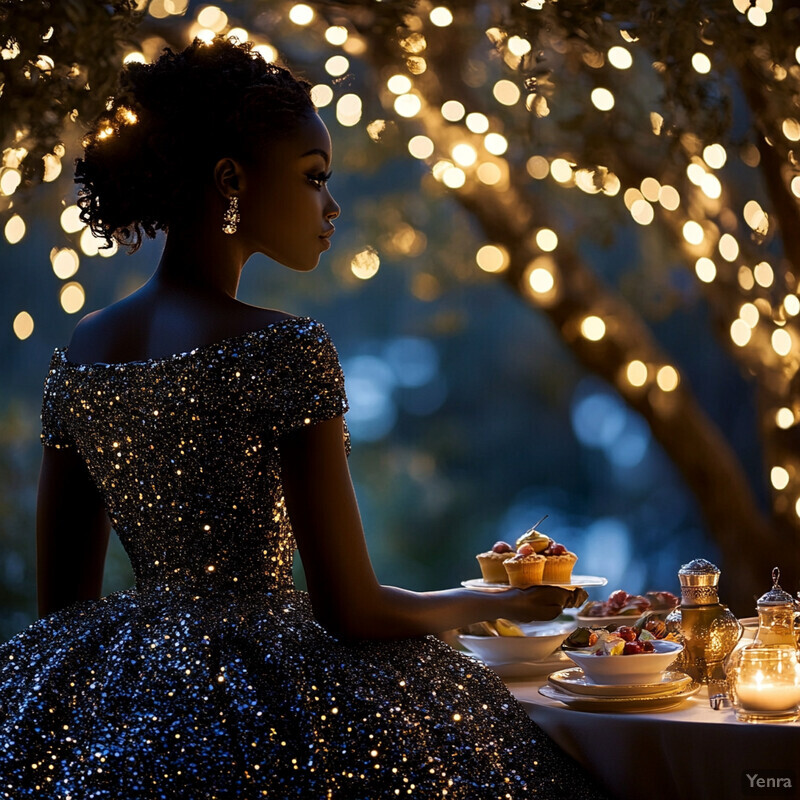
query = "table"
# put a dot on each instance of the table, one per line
(688, 753)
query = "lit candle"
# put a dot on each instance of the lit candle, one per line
(759, 694)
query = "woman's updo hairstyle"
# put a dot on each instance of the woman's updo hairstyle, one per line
(169, 123)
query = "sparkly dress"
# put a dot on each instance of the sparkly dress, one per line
(211, 678)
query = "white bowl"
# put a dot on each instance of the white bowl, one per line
(538, 643)
(617, 670)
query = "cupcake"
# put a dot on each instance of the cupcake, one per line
(558, 564)
(525, 568)
(491, 562)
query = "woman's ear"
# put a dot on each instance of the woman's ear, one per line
(228, 177)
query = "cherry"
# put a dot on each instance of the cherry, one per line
(647, 646)
(627, 633)
(633, 648)
(556, 550)
(502, 547)
(524, 550)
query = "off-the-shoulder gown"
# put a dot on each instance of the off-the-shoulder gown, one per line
(210, 678)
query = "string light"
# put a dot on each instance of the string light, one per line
(492, 258)
(763, 274)
(781, 341)
(14, 229)
(408, 105)
(348, 110)
(506, 92)
(779, 478)
(740, 332)
(693, 232)
(399, 84)
(270, 55)
(441, 16)
(420, 147)
(336, 35)
(495, 143)
(301, 14)
(636, 373)
(561, 170)
(477, 122)
(518, 46)
(602, 99)
(593, 328)
(728, 247)
(365, 264)
(464, 155)
(336, 66)
(749, 313)
(701, 63)
(667, 378)
(538, 167)
(72, 297)
(453, 111)
(620, 57)
(23, 325)
(321, 95)
(65, 262)
(546, 240)
(705, 269)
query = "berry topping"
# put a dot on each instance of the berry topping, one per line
(524, 550)
(627, 633)
(633, 648)
(502, 547)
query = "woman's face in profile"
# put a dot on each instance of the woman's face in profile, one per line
(285, 206)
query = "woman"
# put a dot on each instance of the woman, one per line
(199, 426)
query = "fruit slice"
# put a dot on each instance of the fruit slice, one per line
(507, 628)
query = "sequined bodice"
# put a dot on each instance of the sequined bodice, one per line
(185, 450)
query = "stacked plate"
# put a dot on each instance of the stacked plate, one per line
(573, 688)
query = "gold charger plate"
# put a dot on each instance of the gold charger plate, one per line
(574, 680)
(625, 705)
(480, 585)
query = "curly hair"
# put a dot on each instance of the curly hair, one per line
(168, 124)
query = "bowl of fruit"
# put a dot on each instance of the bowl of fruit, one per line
(622, 608)
(624, 656)
(502, 641)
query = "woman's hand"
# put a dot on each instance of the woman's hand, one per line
(544, 602)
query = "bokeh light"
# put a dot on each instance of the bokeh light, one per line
(365, 263)
(492, 258)
(301, 14)
(23, 325)
(72, 297)
(593, 328)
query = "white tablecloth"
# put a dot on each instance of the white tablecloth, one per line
(689, 753)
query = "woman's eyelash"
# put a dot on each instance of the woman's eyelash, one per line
(320, 179)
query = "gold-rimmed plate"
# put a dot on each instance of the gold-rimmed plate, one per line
(625, 705)
(581, 581)
(575, 681)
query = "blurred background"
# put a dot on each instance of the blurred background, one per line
(568, 319)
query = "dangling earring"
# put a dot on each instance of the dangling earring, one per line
(231, 218)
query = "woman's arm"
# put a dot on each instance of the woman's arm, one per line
(72, 530)
(344, 591)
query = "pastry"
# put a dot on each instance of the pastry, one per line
(558, 563)
(525, 568)
(491, 562)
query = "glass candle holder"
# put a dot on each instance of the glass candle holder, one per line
(764, 683)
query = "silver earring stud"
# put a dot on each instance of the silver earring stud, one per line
(231, 218)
